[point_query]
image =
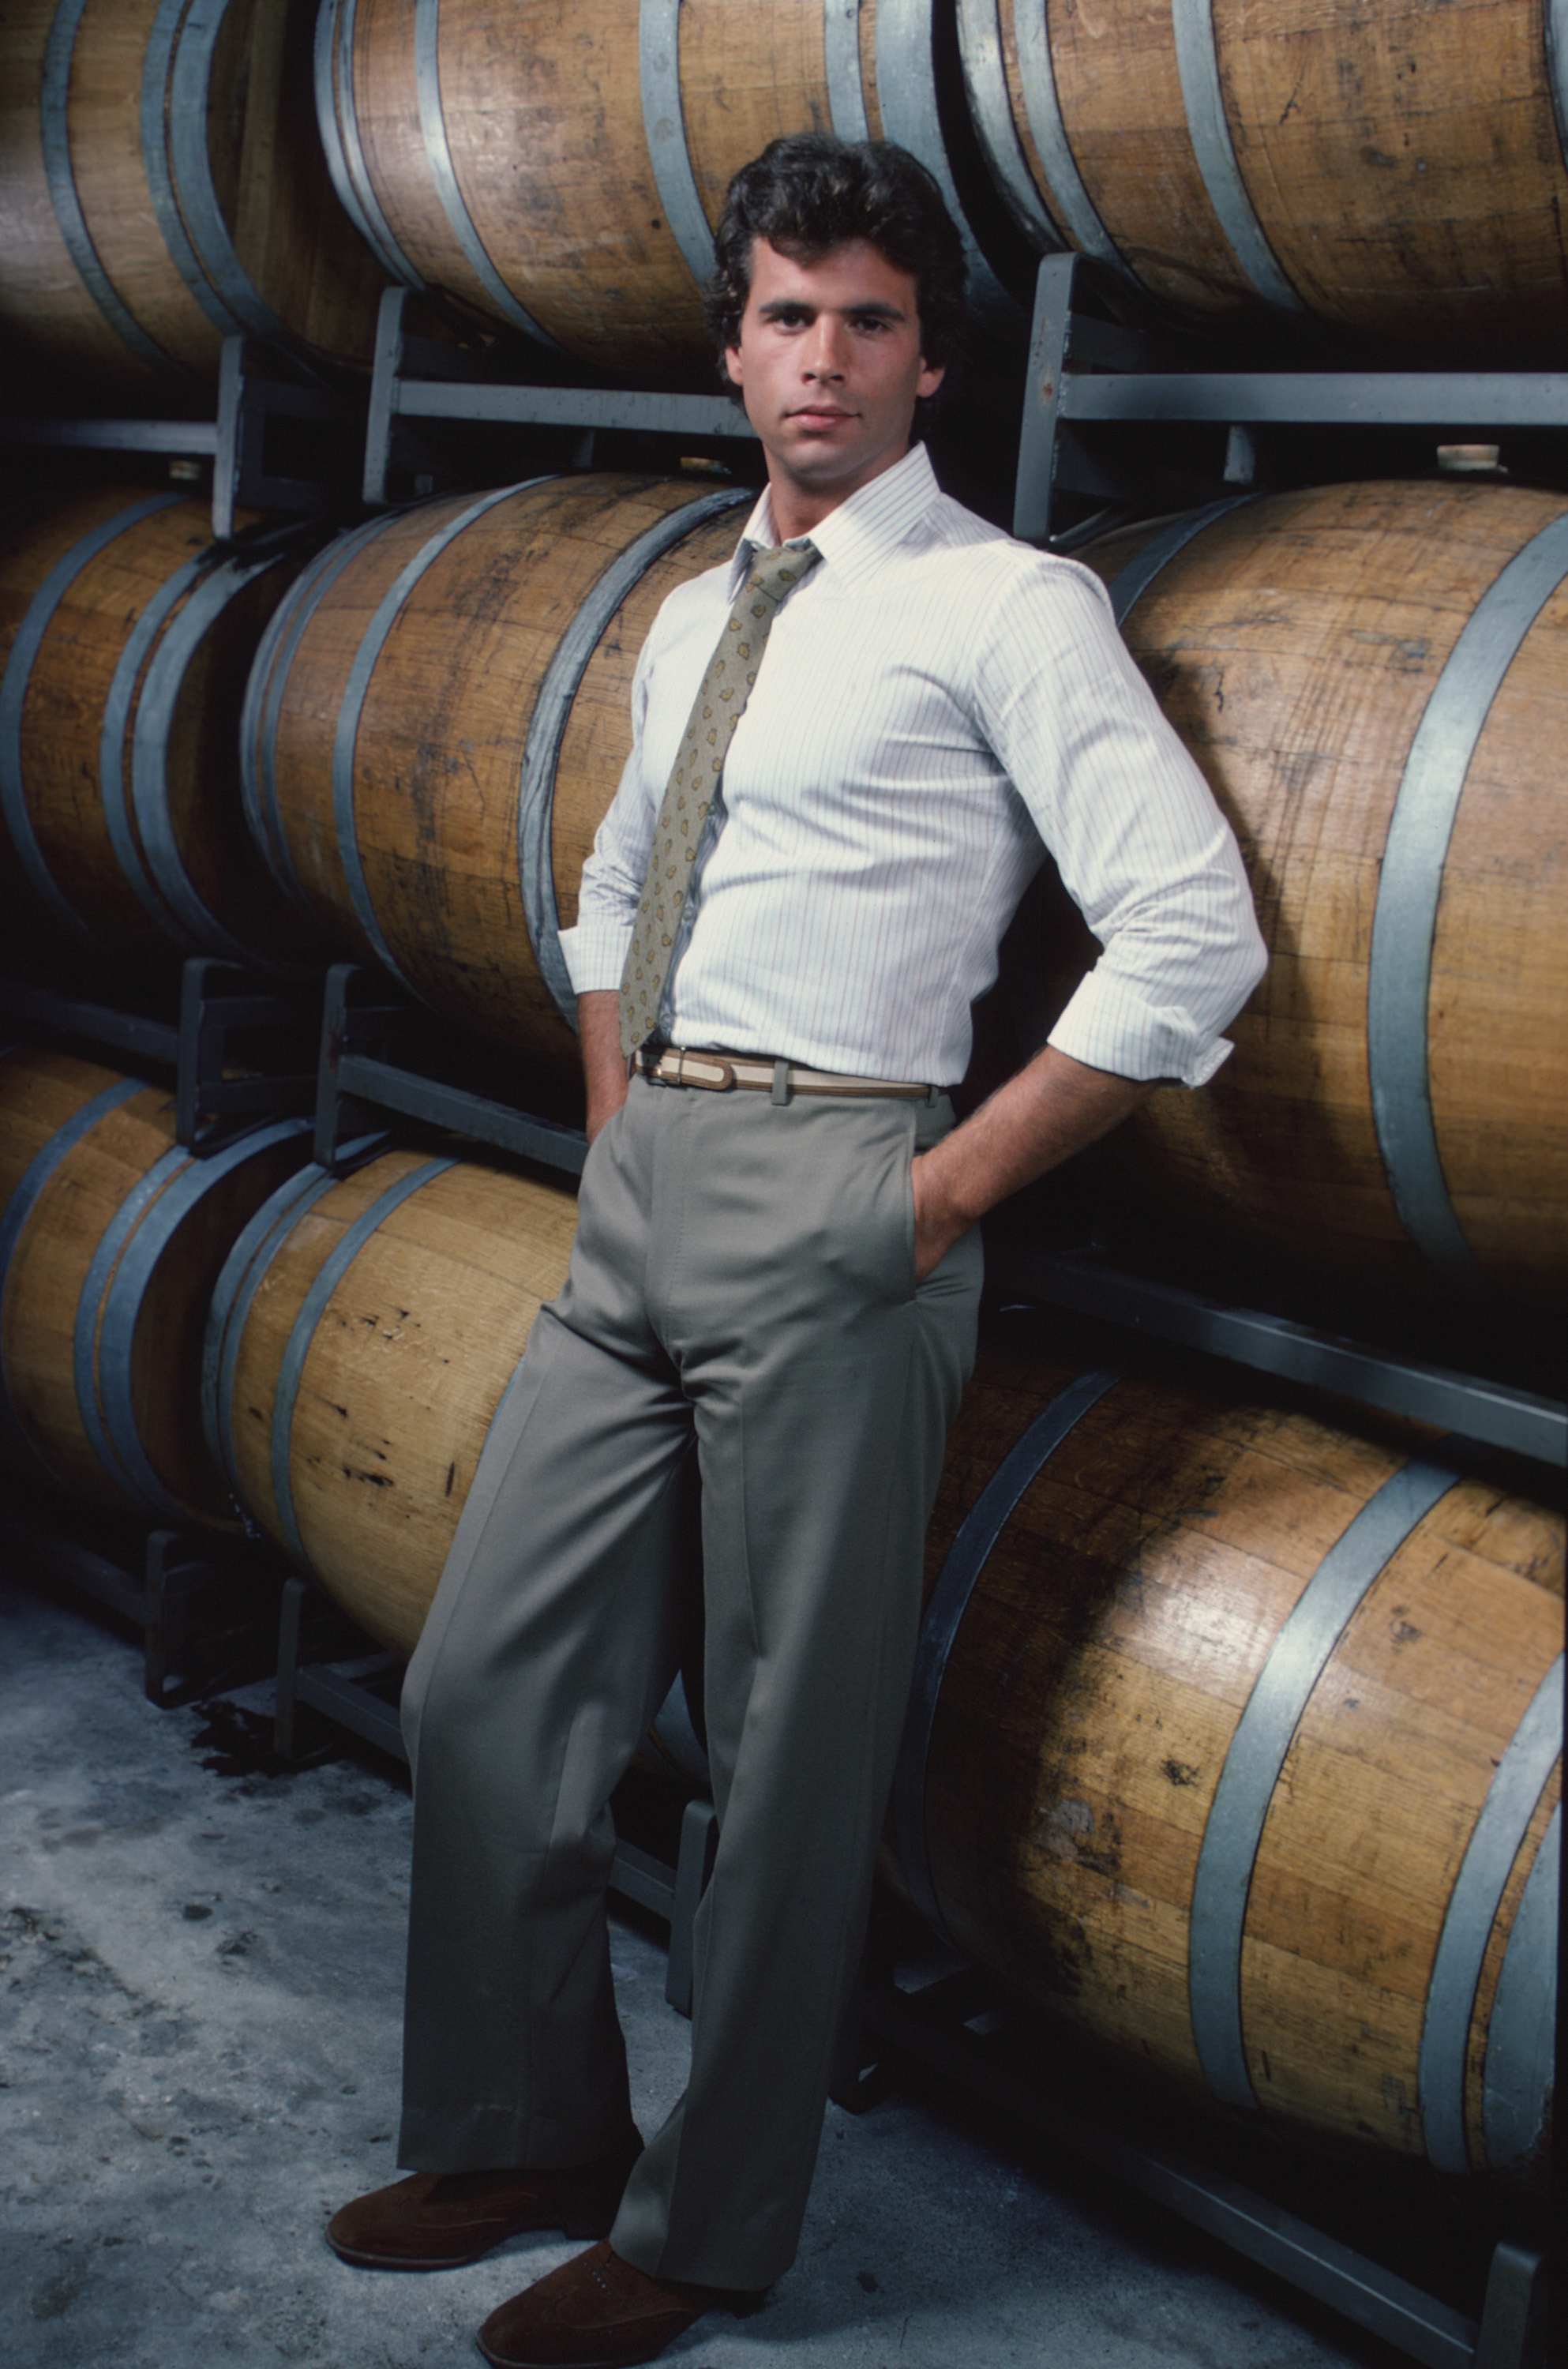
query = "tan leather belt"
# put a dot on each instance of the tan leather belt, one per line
(719, 1072)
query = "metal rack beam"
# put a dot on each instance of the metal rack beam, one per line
(1495, 1414)
(287, 438)
(355, 1082)
(220, 1007)
(421, 380)
(1101, 370)
(939, 2027)
(174, 1586)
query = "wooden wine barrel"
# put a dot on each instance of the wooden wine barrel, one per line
(437, 719)
(561, 166)
(1398, 171)
(1236, 1739)
(126, 639)
(361, 1335)
(111, 1238)
(163, 186)
(1373, 679)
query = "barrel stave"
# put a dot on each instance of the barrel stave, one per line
(441, 729)
(128, 766)
(1405, 165)
(108, 124)
(768, 68)
(543, 122)
(404, 1373)
(44, 308)
(111, 1264)
(163, 184)
(1119, 89)
(68, 689)
(1396, 171)
(193, 778)
(1500, 970)
(598, 737)
(171, 1321)
(384, 96)
(299, 250)
(1295, 644)
(1535, 2164)
(606, 276)
(1113, 1640)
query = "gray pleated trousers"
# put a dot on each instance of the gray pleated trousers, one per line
(740, 1345)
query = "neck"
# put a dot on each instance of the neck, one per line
(797, 510)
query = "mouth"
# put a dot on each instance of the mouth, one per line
(818, 415)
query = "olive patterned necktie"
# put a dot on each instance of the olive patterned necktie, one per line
(691, 809)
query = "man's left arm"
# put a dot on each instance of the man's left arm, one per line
(1054, 1108)
(1146, 854)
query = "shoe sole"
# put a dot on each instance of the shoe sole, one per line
(360, 2261)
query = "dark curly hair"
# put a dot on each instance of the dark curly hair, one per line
(808, 193)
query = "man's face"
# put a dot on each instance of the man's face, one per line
(828, 364)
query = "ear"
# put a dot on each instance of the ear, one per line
(733, 364)
(929, 379)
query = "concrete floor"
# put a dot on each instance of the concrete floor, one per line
(201, 1964)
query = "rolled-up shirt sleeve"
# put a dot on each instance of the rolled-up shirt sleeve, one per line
(1142, 845)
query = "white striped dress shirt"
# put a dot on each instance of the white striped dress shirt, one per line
(935, 702)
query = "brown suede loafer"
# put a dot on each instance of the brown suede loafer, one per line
(436, 2221)
(596, 2312)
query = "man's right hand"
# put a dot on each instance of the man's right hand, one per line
(603, 1063)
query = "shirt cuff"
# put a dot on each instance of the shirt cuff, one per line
(595, 955)
(1107, 1025)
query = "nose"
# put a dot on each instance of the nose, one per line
(827, 349)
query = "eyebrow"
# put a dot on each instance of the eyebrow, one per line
(803, 304)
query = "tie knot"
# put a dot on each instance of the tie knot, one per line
(776, 573)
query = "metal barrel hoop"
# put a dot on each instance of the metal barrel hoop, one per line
(239, 1279)
(1554, 31)
(264, 694)
(55, 132)
(1127, 588)
(35, 622)
(1410, 883)
(664, 129)
(158, 64)
(116, 1289)
(14, 1217)
(84, 1333)
(443, 171)
(1494, 1843)
(117, 806)
(338, 121)
(1234, 1830)
(1068, 192)
(167, 671)
(552, 712)
(906, 98)
(1521, 2036)
(990, 108)
(841, 59)
(966, 1557)
(190, 86)
(1203, 97)
(354, 690)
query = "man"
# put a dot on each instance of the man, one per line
(849, 747)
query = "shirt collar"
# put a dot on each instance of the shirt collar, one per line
(861, 531)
